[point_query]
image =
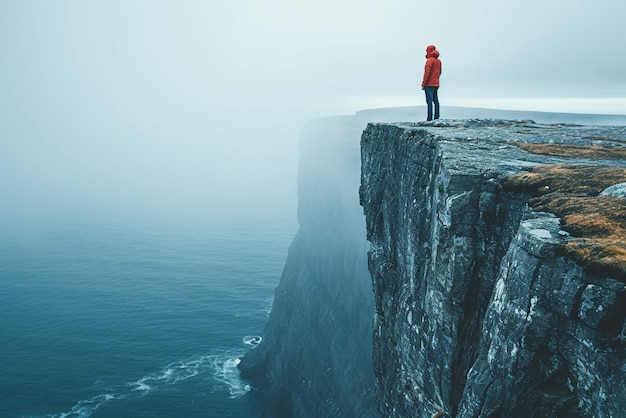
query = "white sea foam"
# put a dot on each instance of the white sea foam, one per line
(252, 340)
(268, 308)
(140, 385)
(221, 367)
(226, 372)
(84, 408)
(172, 374)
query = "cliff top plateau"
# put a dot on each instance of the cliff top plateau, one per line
(575, 172)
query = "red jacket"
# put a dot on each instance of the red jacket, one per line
(432, 69)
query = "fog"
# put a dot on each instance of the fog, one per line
(194, 108)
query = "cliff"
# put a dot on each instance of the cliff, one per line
(315, 357)
(498, 266)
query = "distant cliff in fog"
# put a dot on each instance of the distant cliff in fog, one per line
(315, 358)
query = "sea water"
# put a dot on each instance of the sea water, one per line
(134, 318)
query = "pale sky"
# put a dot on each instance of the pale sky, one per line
(197, 103)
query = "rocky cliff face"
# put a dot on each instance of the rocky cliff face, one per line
(484, 307)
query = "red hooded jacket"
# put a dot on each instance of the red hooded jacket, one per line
(432, 69)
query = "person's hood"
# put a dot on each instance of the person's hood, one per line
(431, 51)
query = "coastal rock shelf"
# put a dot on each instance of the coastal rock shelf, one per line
(498, 268)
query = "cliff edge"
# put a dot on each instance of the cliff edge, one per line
(498, 262)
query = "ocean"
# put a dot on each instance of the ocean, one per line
(133, 317)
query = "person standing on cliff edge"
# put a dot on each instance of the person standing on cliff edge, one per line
(430, 83)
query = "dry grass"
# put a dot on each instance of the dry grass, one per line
(579, 179)
(598, 228)
(598, 152)
(597, 223)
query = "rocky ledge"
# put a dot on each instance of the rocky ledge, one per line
(498, 262)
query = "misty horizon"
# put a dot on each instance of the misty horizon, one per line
(161, 106)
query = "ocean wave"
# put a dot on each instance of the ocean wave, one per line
(268, 307)
(252, 340)
(172, 374)
(226, 372)
(221, 367)
(84, 408)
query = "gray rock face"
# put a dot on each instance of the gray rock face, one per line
(617, 190)
(476, 312)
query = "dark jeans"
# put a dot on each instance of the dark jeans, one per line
(431, 97)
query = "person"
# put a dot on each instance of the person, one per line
(430, 83)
